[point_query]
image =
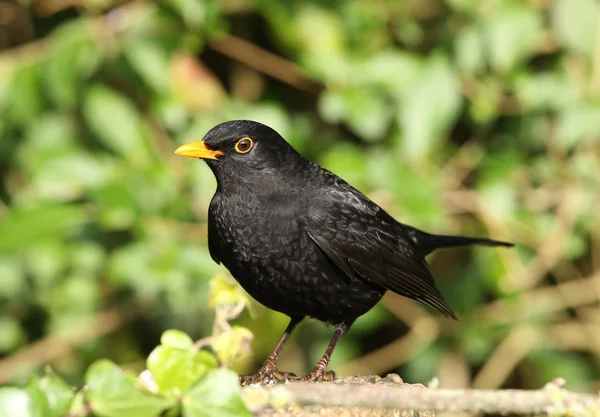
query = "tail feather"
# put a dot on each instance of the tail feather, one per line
(428, 242)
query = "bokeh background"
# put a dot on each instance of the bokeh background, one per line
(475, 117)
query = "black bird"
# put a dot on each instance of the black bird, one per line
(303, 242)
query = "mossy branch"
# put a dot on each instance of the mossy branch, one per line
(374, 396)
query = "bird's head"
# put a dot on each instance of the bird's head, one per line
(243, 150)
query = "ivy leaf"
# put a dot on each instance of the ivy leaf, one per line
(15, 402)
(217, 394)
(55, 393)
(177, 364)
(230, 346)
(113, 393)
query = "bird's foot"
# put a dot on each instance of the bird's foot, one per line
(266, 375)
(317, 375)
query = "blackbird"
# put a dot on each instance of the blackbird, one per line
(304, 242)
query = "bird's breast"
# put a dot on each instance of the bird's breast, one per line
(265, 247)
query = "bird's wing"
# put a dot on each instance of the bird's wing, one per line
(365, 243)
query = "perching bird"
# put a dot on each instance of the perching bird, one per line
(303, 242)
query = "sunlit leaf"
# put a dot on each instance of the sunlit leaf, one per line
(545, 91)
(151, 63)
(513, 35)
(12, 282)
(576, 23)
(429, 108)
(53, 392)
(418, 195)
(218, 393)
(73, 58)
(233, 344)
(367, 113)
(115, 121)
(177, 364)
(469, 47)
(577, 124)
(225, 291)
(11, 334)
(15, 402)
(348, 162)
(193, 12)
(113, 393)
(176, 339)
(26, 95)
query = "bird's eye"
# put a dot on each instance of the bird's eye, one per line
(244, 145)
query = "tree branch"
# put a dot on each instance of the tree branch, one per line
(371, 396)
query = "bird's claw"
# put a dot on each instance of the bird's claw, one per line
(316, 375)
(266, 377)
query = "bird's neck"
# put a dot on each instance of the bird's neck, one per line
(263, 183)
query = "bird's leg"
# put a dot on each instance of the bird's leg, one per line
(269, 369)
(320, 373)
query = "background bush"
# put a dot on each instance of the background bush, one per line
(463, 116)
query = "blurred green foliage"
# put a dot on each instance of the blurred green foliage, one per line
(185, 381)
(460, 116)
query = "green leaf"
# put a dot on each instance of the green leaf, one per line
(469, 50)
(576, 23)
(26, 103)
(11, 333)
(549, 364)
(13, 281)
(224, 291)
(15, 402)
(23, 227)
(217, 394)
(176, 339)
(429, 108)
(150, 62)
(578, 124)
(545, 91)
(72, 59)
(59, 395)
(348, 162)
(513, 35)
(417, 194)
(312, 19)
(367, 112)
(50, 396)
(485, 102)
(116, 122)
(232, 345)
(38, 402)
(177, 364)
(392, 70)
(193, 12)
(113, 393)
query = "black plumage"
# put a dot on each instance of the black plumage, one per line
(303, 242)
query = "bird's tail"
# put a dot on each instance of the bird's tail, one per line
(428, 242)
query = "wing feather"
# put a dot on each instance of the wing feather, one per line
(365, 243)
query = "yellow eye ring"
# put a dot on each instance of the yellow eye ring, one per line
(244, 145)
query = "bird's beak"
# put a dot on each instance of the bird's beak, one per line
(198, 150)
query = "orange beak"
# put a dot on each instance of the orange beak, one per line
(198, 150)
